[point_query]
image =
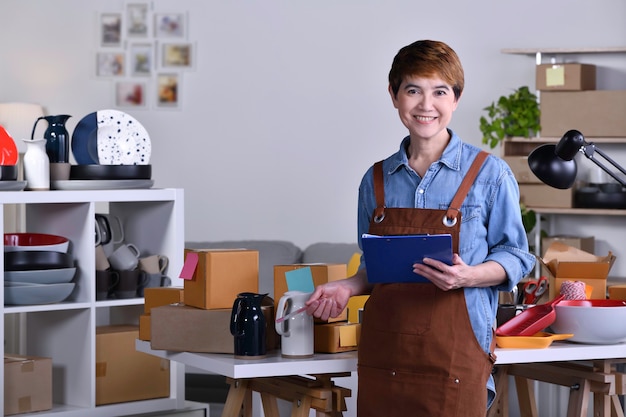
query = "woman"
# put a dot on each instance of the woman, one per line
(426, 348)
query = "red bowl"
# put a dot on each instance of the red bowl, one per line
(14, 242)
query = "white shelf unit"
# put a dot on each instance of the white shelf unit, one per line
(153, 220)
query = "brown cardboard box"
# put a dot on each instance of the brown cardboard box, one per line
(566, 263)
(321, 273)
(27, 384)
(336, 337)
(184, 328)
(124, 374)
(521, 170)
(617, 292)
(220, 275)
(598, 113)
(144, 327)
(565, 77)
(588, 243)
(540, 195)
(161, 296)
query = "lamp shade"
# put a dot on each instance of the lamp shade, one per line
(552, 169)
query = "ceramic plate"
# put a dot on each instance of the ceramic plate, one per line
(12, 185)
(8, 148)
(44, 276)
(121, 139)
(101, 184)
(28, 293)
(84, 133)
(110, 172)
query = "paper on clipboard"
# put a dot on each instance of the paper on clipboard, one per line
(390, 258)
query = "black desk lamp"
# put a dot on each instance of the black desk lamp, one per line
(555, 165)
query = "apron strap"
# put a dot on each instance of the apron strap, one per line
(455, 205)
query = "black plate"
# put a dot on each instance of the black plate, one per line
(110, 172)
(8, 172)
(36, 260)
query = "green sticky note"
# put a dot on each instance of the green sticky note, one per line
(555, 76)
(300, 279)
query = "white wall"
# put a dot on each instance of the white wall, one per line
(287, 106)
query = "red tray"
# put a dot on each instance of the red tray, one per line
(531, 320)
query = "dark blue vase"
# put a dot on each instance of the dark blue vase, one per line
(247, 325)
(57, 137)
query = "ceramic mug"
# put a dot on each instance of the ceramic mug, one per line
(106, 281)
(125, 258)
(152, 281)
(128, 283)
(102, 262)
(154, 264)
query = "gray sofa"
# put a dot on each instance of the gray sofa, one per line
(213, 389)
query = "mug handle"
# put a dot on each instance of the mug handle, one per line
(121, 229)
(98, 236)
(163, 262)
(134, 249)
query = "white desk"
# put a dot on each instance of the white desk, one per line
(511, 359)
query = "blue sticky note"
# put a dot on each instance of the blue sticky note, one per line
(300, 280)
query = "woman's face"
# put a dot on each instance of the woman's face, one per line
(425, 106)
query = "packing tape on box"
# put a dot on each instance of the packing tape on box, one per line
(24, 404)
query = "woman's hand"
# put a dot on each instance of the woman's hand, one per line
(459, 274)
(330, 299)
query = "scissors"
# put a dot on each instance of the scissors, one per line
(533, 290)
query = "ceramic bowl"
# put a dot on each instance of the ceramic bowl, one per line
(36, 260)
(592, 321)
(29, 293)
(110, 172)
(41, 276)
(8, 172)
(17, 242)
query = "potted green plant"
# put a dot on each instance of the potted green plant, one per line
(514, 115)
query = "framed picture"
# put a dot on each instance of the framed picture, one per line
(111, 29)
(170, 25)
(110, 64)
(137, 19)
(130, 94)
(168, 90)
(177, 55)
(141, 59)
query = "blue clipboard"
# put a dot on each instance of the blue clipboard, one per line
(390, 259)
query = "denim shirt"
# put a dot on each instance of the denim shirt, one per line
(491, 226)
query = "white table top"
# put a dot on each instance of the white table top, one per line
(275, 365)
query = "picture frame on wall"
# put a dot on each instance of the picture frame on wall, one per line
(180, 55)
(130, 94)
(110, 64)
(170, 25)
(137, 20)
(110, 26)
(141, 61)
(168, 86)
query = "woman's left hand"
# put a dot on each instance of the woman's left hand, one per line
(446, 277)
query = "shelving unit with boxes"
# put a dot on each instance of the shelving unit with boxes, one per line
(67, 332)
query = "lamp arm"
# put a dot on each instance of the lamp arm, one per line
(589, 151)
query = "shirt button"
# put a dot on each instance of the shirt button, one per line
(420, 191)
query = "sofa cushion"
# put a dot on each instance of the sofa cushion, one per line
(330, 253)
(271, 252)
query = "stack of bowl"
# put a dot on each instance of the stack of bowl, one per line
(38, 269)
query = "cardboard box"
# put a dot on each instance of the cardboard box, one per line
(161, 296)
(565, 77)
(521, 170)
(541, 195)
(321, 273)
(566, 263)
(27, 384)
(182, 328)
(598, 113)
(220, 276)
(617, 292)
(587, 244)
(124, 374)
(144, 327)
(336, 337)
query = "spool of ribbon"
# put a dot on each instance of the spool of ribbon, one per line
(573, 290)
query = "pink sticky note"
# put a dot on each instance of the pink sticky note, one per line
(190, 266)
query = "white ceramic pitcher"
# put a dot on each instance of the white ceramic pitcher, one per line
(295, 329)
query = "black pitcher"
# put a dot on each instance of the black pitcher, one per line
(58, 139)
(247, 325)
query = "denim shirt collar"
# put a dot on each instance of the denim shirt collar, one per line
(451, 156)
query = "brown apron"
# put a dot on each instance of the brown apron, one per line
(418, 355)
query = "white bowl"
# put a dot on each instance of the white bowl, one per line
(41, 276)
(23, 293)
(601, 322)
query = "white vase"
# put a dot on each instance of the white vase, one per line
(36, 165)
